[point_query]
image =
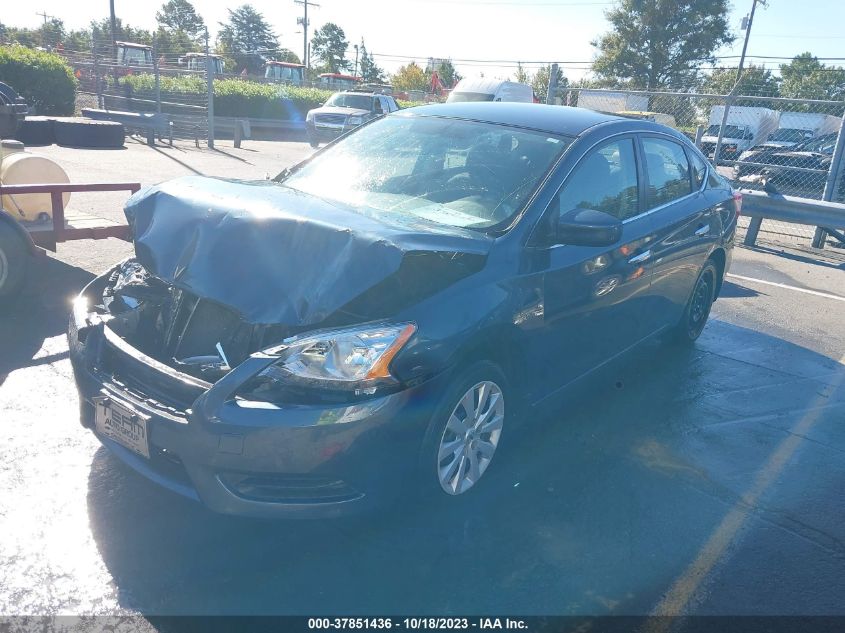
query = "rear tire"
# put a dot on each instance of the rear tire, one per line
(36, 130)
(698, 307)
(464, 435)
(14, 260)
(78, 132)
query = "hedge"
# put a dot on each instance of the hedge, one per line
(43, 79)
(238, 98)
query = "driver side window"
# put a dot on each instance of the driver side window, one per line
(605, 180)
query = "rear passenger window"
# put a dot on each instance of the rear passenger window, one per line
(699, 169)
(667, 170)
(606, 180)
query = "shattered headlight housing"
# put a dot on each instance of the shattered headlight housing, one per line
(336, 365)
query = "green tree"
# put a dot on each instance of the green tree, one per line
(287, 55)
(329, 46)
(656, 44)
(521, 75)
(180, 15)
(756, 81)
(410, 77)
(247, 38)
(807, 78)
(370, 72)
(540, 82)
(448, 75)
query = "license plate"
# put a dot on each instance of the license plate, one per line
(121, 424)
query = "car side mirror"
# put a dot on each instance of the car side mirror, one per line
(587, 227)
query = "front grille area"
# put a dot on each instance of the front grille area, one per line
(329, 119)
(146, 383)
(272, 488)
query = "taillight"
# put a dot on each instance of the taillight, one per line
(738, 203)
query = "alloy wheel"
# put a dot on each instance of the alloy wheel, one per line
(470, 437)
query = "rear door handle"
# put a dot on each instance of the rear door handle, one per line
(702, 230)
(641, 258)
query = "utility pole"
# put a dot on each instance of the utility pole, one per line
(44, 15)
(304, 22)
(113, 20)
(355, 72)
(746, 22)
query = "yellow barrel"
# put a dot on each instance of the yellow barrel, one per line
(23, 168)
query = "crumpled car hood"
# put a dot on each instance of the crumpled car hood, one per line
(275, 255)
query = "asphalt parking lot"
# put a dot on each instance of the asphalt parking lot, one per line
(707, 481)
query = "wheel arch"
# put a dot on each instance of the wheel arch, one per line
(719, 259)
(6, 219)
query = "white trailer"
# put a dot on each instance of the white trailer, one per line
(798, 127)
(746, 127)
(612, 101)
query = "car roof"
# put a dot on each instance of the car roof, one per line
(547, 118)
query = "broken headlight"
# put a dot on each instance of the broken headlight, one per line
(331, 366)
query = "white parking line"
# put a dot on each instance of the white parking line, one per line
(826, 295)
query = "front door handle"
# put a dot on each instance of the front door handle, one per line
(702, 230)
(641, 258)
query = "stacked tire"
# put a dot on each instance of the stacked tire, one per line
(79, 132)
(71, 132)
(36, 130)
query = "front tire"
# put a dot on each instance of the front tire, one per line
(465, 432)
(14, 260)
(697, 310)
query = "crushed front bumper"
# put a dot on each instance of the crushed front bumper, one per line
(251, 458)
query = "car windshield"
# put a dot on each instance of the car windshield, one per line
(450, 172)
(343, 100)
(456, 97)
(790, 135)
(731, 131)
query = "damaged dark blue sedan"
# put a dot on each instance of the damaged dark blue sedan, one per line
(380, 317)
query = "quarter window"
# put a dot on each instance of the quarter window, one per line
(606, 180)
(667, 170)
(699, 169)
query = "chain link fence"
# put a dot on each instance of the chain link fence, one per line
(761, 143)
(135, 78)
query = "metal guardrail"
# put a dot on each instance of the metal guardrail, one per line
(759, 206)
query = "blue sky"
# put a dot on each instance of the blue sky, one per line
(530, 30)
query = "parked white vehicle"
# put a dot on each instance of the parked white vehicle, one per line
(746, 127)
(490, 90)
(612, 101)
(656, 117)
(798, 127)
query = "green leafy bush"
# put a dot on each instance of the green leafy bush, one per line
(43, 79)
(237, 98)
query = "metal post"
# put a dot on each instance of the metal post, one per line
(98, 86)
(833, 176)
(551, 92)
(699, 132)
(209, 74)
(728, 102)
(156, 74)
(753, 230)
